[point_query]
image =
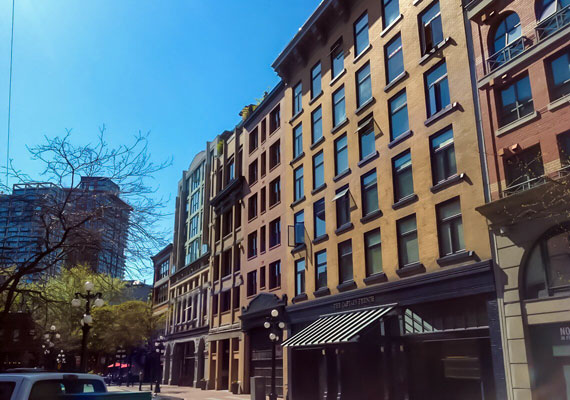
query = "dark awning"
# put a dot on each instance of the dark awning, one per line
(337, 328)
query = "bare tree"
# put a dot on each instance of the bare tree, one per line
(77, 210)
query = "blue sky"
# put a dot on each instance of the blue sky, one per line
(179, 69)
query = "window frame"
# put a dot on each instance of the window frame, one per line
(449, 223)
(318, 170)
(319, 210)
(297, 140)
(299, 185)
(365, 188)
(370, 270)
(315, 122)
(392, 111)
(321, 265)
(357, 31)
(297, 98)
(300, 277)
(344, 257)
(442, 152)
(339, 152)
(337, 52)
(336, 103)
(314, 77)
(385, 23)
(518, 104)
(360, 82)
(401, 236)
(393, 56)
(437, 88)
(398, 172)
(426, 46)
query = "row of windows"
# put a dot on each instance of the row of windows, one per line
(274, 123)
(257, 243)
(442, 160)
(274, 199)
(515, 100)
(274, 279)
(224, 301)
(450, 238)
(274, 160)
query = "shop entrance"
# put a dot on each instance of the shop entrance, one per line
(550, 372)
(225, 367)
(457, 369)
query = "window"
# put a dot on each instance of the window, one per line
(431, 29)
(263, 130)
(225, 300)
(316, 80)
(367, 140)
(297, 140)
(299, 228)
(363, 85)
(236, 292)
(262, 278)
(345, 261)
(316, 124)
(342, 200)
(369, 193)
(298, 178)
(226, 263)
(549, 7)
(263, 163)
(337, 59)
(507, 32)
(297, 99)
(403, 179)
(263, 200)
(560, 76)
(341, 155)
(339, 110)
(450, 227)
(524, 170)
(361, 35)
(253, 172)
(274, 119)
(299, 277)
(516, 101)
(252, 245)
(564, 148)
(275, 232)
(274, 192)
(391, 11)
(230, 169)
(227, 223)
(252, 207)
(394, 58)
(215, 304)
(398, 106)
(252, 283)
(163, 269)
(408, 252)
(262, 238)
(320, 227)
(318, 170)
(547, 273)
(321, 269)
(443, 164)
(253, 140)
(373, 252)
(237, 216)
(274, 155)
(437, 88)
(275, 275)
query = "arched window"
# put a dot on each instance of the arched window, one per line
(547, 270)
(549, 7)
(507, 32)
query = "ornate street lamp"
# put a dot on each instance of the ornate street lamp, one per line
(60, 359)
(159, 349)
(87, 319)
(50, 337)
(275, 327)
(120, 357)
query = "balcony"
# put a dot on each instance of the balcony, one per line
(522, 186)
(508, 53)
(553, 24)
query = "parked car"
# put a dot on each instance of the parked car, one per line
(60, 386)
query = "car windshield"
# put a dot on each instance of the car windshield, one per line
(49, 389)
(6, 389)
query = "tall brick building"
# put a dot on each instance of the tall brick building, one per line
(521, 57)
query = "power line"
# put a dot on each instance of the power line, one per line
(10, 94)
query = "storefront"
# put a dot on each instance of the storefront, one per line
(432, 336)
(259, 347)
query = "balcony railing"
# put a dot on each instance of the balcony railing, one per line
(553, 24)
(506, 54)
(522, 186)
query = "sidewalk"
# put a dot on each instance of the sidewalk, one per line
(184, 392)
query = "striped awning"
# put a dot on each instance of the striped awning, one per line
(337, 328)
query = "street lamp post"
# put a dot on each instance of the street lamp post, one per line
(120, 356)
(159, 349)
(87, 319)
(60, 359)
(50, 337)
(275, 326)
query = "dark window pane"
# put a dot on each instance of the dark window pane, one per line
(398, 115)
(516, 101)
(337, 59)
(364, 83)
(394, 58)
(318, 170)
(319, 218)
(403, 180)
(367, 141)
(438, 90)
(345, 261)
(391, 11)
(369, 193)
(321, 269)
(361, 34)
(341, 155)
(299, 228)
(443, 156)
(560, 76)
(297, 140)
(432, 33)
(316, 80)
(408, 250)
(297, 99)
(299, 276)
(507, 32)
(299, 188)
(450, 227)
(317, 124)
(373, 249)
(339, 110)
